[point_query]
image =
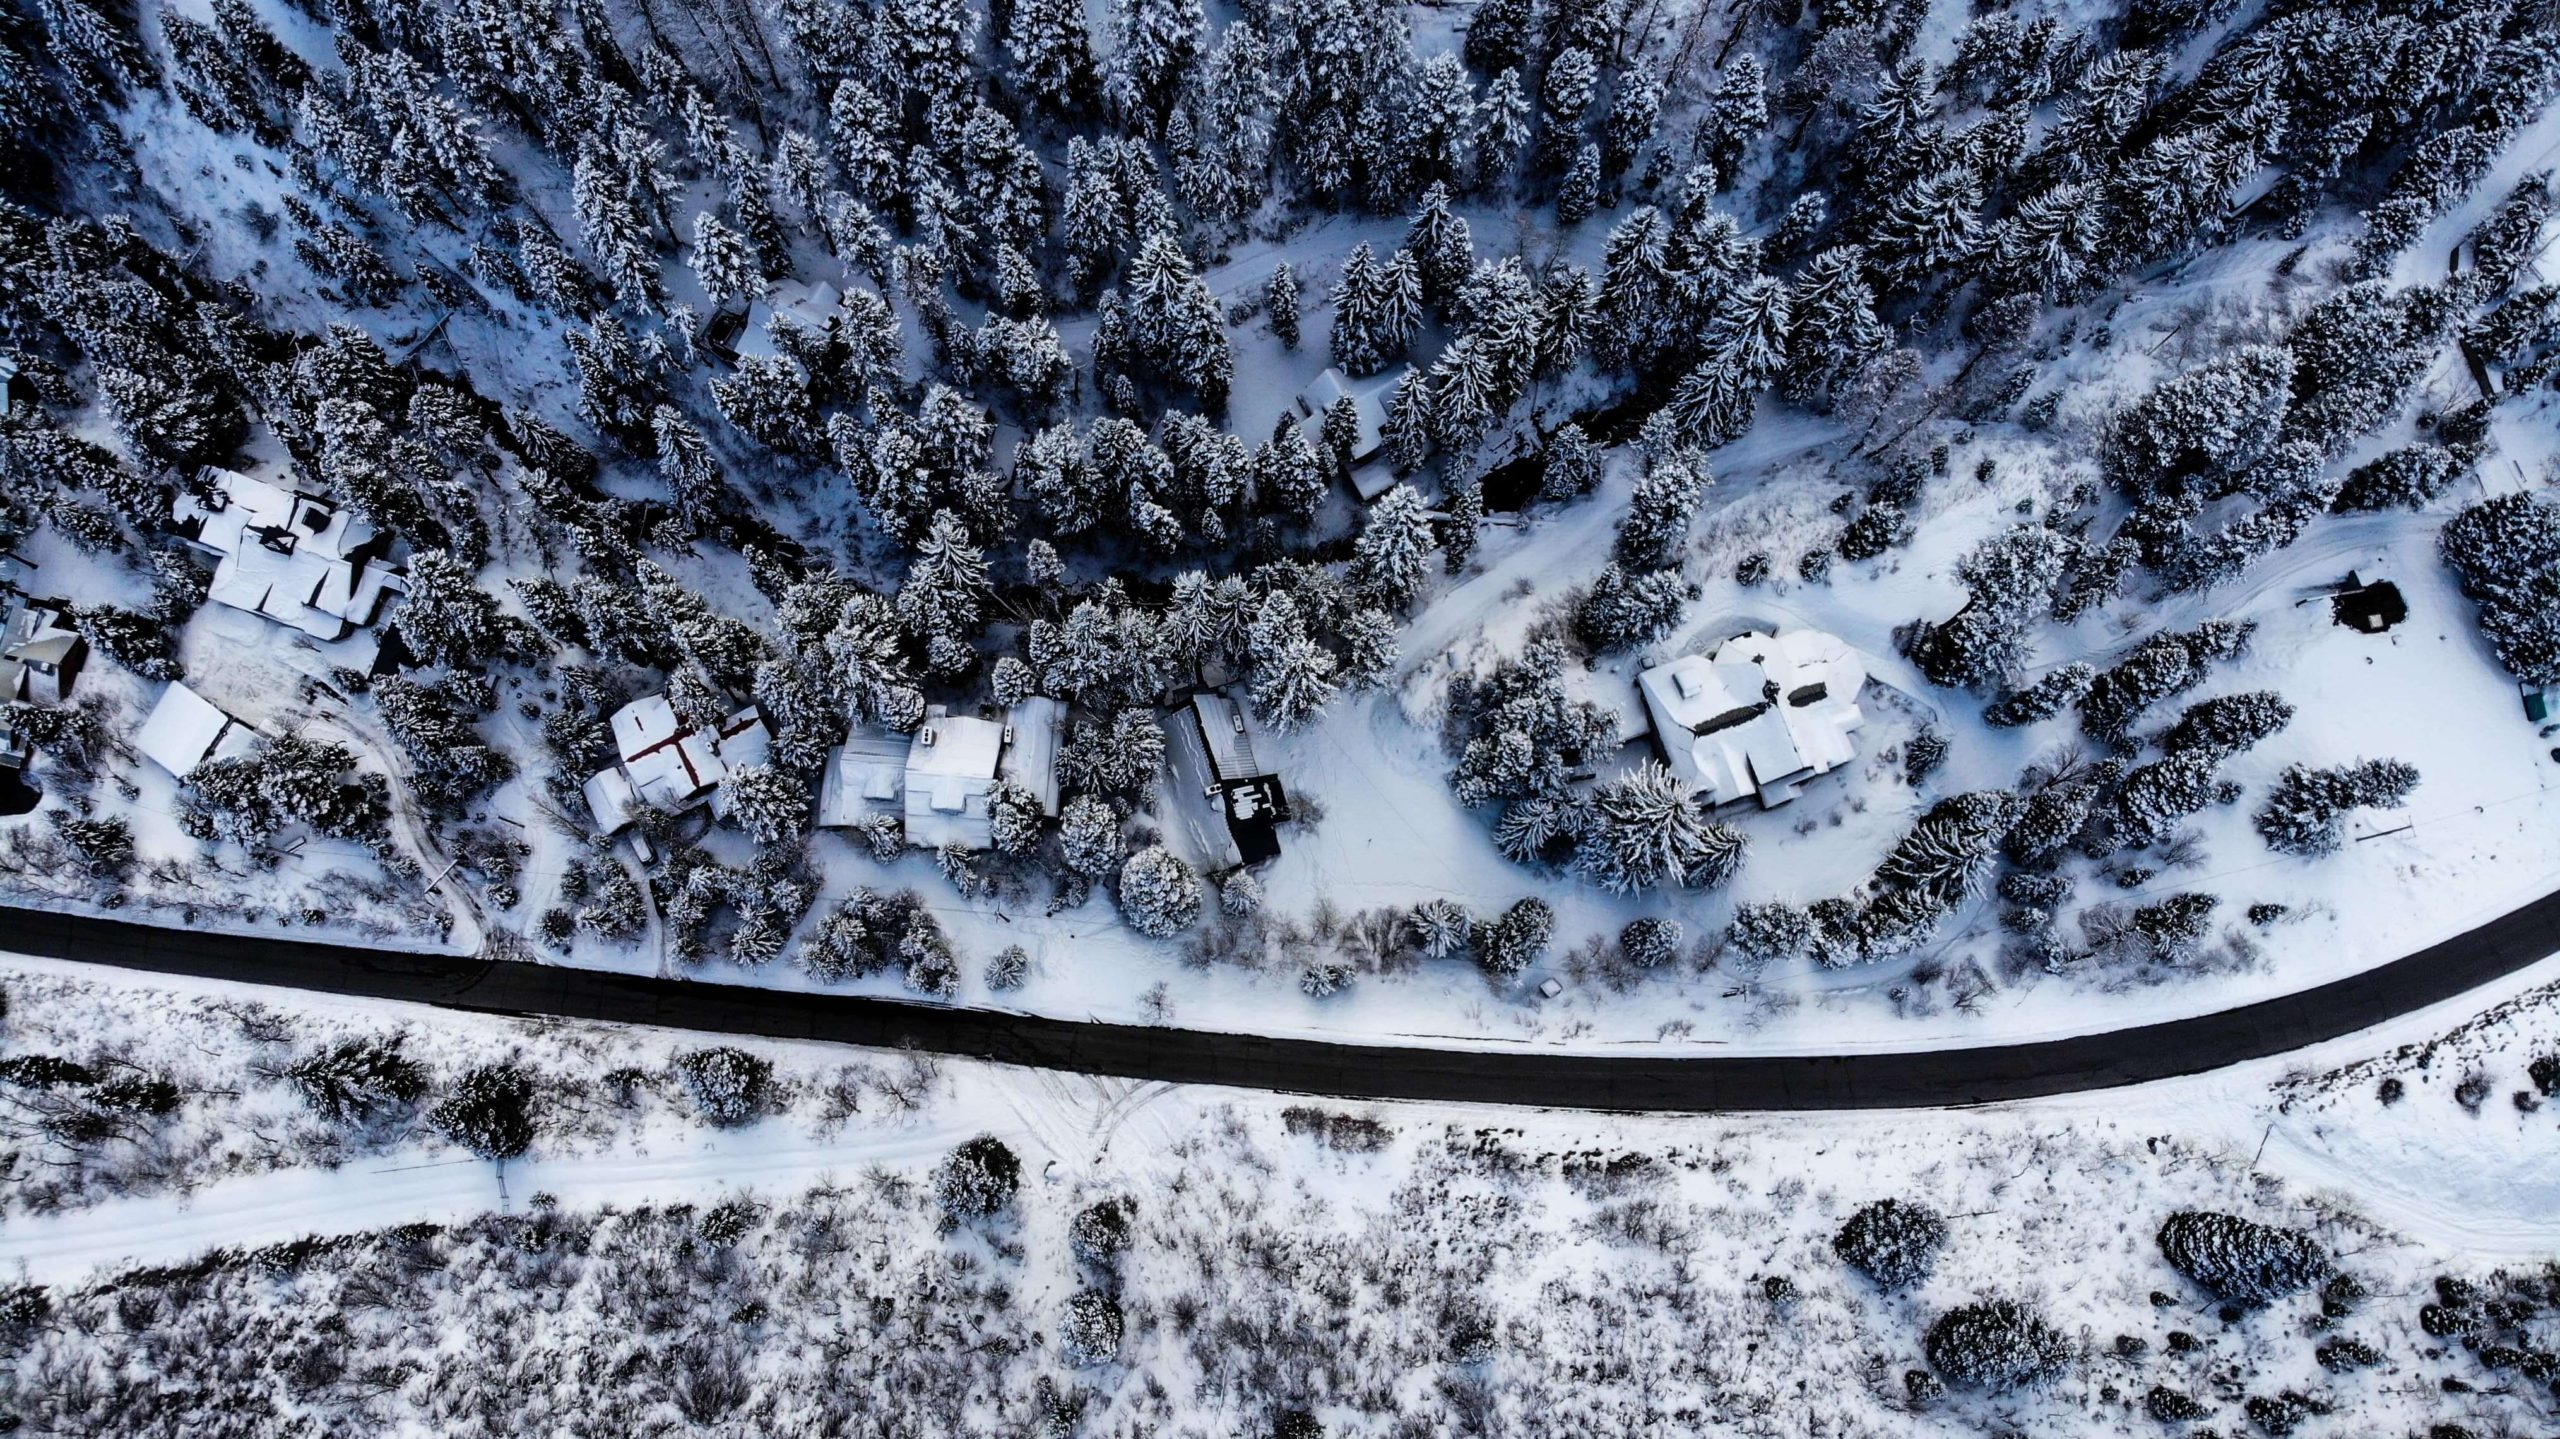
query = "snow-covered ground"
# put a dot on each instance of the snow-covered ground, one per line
(1630, 1253)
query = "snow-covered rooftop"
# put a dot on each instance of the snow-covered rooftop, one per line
(184, 729)
(38, 655)
(666, 766)
(292, 557)
(1368, 401)
(1759, 714)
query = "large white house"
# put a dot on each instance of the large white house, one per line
(940, 783)
(295, 558)
(668, 766)
(1759, 714)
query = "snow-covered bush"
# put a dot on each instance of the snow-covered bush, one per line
(1893, 1242)
(1008, 968)
(2240, 1261)
(1092, 1330)
(1996, 1345)
(1763, 930)
(1159, 894)
(977, 1179)
(489, 1112)
(728, 1086)
(1651, 942)
(1511, 943)
(1101, 1232)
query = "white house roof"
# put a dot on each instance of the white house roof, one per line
(184, 729)
(743, 740)
(666, 766)
(865, 775)
(294, 558)
(1759, 714)
(941, 781)
(1228, 737)
(1034, 729)
(951, 773)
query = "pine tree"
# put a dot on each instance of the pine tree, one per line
(722, 261)
(1439, 242)
(1579, 195)
(616, 228)
(445, 618)
(692, 474)
(2212, 423)
(1159, 894)
(1502, 130)
(1052, 55)
(1293, 676)
(1280, 302)
(1658, 514)
(1498, 35)
(1635, 113)
(2303, 809)
(2240, 1262)
(1623, 610)
(1394, 551)
(1931, 228)
(2228, 724)
(2010, 579)
(2405, 478)
(1157, 43)
(1572, 84)
(1647, 828)
(2052, 693)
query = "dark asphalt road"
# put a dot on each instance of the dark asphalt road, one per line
(1918, 1079)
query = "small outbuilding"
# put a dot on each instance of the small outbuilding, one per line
(40, 655)
(184, 729)
(1758, 715)
(2371, 607)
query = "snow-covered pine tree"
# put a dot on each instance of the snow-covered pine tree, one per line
(2052, 692)
(1160, 896)
(1579, 193)
(1624, 609)
(1502, 131)
(2010, 579)
(2303, 808)
(1664, 501)
(1647, 828)
(1280, 303)
(1052, 53)
(1394, 551)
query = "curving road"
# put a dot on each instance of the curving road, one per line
(1866, 1080)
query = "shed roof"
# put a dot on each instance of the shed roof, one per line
(184, 729)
